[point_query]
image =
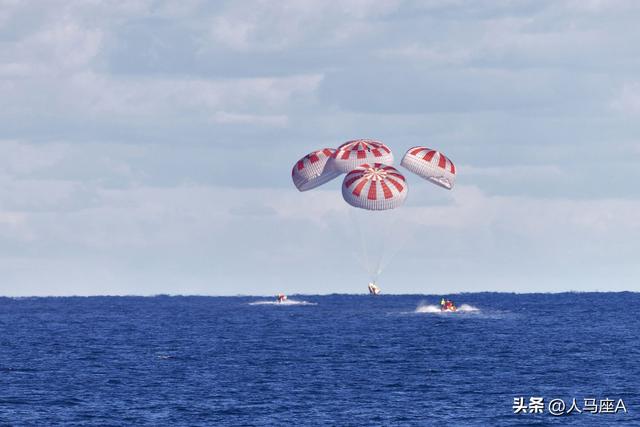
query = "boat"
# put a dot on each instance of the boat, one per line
(373, 289)
(447, 305)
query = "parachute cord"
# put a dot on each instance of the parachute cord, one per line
(393, 242)
(363, 255)
(380, 238)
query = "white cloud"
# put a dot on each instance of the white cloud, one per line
(263, 25)
(95, 95)
(19, 158)
(139, 223)
(151, 142)
(627, 100)
(536, 218)
(62, 46)
(432, 55)
(233, 34)
(470, 211)
(509, 172)
(251, 119)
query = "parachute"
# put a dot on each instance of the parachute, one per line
(375, 187)
(354, 153)
(431, 165)
(313, 170)
(373, 184)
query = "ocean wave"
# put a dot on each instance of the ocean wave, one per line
(286, 302)
(434, 309)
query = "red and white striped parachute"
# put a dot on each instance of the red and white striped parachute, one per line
(431, 165)
(313, 170)
(354, 153)
(374, 187)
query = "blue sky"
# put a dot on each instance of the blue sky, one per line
(147, 145)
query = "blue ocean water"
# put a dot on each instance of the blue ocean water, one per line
(334, 360)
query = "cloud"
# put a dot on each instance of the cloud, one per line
(147, 146)
(19, 158)
(265, 26)
(266, 120)
(207, 229)
(627, 100)
(90, 94)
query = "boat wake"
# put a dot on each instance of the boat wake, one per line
(285, 302)
(427, 308)
(434, 309)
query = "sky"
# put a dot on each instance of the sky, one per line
(146, 147)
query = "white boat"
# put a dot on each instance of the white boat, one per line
(373, 289)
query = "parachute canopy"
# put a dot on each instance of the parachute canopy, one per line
(354, 153)
(372, 184)
(431, 165)
(374, 187)
(313, 170)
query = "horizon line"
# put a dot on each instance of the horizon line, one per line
(172, 295)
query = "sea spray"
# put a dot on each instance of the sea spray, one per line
(285, 302)
(434, 309)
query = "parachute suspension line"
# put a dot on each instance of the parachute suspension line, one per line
(376, 266)
(361, 255)
(380, 239)
(374, 189)
(371, 184)
(384, 242)
(395, 239)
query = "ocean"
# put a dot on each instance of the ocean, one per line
(321, 360)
